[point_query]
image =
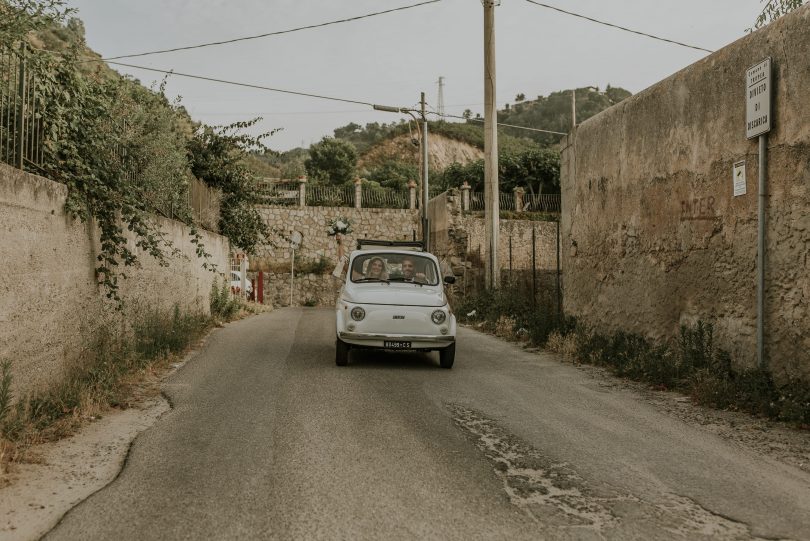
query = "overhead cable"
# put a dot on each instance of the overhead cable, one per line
(499, 124)
(247, 85)
(268, 34)
(619, 27)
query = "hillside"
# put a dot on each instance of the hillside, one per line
(442, 151)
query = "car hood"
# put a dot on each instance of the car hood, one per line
(401, 294)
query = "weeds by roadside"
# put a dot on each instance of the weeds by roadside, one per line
(116, 360)
(690, 363)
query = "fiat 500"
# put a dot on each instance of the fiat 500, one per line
(394, 299)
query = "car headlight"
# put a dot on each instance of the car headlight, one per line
(358, 313)
(438, 317)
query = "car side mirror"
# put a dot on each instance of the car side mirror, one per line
(450, 279)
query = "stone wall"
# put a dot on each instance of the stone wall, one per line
(652, 234)
(311, 222)
(520, 233)
(50, 301)
(308, 289)
(458, 239)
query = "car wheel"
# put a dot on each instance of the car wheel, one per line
(447, 356)
(341, 352)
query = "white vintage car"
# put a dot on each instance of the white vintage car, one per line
(393, 299)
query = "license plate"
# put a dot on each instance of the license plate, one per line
(396, 344)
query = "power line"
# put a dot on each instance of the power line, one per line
(247, 85)
(619, 27)
(277, 33)
(499, 124)
(309, 94)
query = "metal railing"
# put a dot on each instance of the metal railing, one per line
(546, 202)
(330, 196)
(279, 193)
(531, 202)
(21, 112)
(386, 198)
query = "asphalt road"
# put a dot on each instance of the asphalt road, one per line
(267, 438)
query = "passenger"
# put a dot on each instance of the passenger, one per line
(374, 271)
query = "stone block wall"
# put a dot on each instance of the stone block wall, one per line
(49, 299)
(308, 289)
(458, 239)
(312, 222)
(652, 234)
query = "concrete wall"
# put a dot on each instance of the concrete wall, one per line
(49, 300)
(312, 222)
(652, 234)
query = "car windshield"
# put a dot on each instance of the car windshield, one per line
(394, 267)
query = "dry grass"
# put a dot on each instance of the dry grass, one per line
(117, 370)
(564, 344)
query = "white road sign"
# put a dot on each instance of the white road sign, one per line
(739, 178)
(758, 99)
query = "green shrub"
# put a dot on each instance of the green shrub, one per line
(223, 304)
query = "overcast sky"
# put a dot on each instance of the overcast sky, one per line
(391, 58)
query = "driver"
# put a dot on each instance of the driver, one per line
(409, 271)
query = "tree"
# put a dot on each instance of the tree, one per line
(520, 97)
(773, 10)
(467, 114)
(393, 174)
(331, 161)
(217, 157)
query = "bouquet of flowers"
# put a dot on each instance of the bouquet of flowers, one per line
(339, 225)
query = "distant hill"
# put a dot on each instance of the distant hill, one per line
(553, 112)
(387, 155)
(442, 151)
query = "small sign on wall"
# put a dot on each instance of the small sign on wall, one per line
(739, 178)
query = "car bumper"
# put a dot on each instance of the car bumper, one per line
(418, 341)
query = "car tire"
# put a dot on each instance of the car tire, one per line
(447, 356)
(341, 352)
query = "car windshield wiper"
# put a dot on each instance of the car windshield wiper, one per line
(373, 280)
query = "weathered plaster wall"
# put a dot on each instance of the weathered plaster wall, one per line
(312, 222)
(652, 234)
(49, 300)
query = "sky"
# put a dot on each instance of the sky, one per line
(389, 59)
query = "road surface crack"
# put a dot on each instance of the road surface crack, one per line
(553, 494)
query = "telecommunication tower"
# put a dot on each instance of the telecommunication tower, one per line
(440, 101)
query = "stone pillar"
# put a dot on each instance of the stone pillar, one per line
(358, 193)
(465, 196)
(519, 191)
(302, 191)
(412, 194)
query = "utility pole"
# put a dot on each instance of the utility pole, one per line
(440, 101)
(425, 224)
(491, 193)
(423, 200)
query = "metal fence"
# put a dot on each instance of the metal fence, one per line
(531, 202)
(21, 112)
(546, 202)
(330, 196)
(279, 193)
(385, 198)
